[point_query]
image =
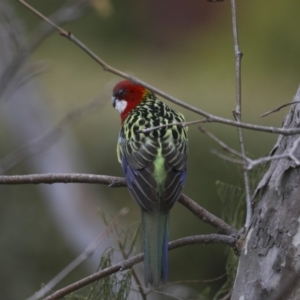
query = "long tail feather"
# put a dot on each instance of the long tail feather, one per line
(155, 246)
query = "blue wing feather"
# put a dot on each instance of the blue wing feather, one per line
(155, 190)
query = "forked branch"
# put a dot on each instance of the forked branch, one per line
(238, 110)
(129, 263)
(106, 67)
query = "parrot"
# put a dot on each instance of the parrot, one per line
(154, 163)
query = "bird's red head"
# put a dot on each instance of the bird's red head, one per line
(126, 96)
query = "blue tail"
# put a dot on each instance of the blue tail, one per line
(155, 246)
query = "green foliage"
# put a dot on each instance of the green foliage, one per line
(127, 236)
(205, 294)
(233, 212)
(231, 266)
(115, 286)
(233, 203)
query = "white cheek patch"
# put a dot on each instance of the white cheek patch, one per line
(120, 105)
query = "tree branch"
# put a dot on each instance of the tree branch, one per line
(207, 217)
(113, 181)
(247, 162)
(88, 252)
(238, 110)
(127, 264)
(106, 67)
(50, 178)
(222, 144)
(278, 108)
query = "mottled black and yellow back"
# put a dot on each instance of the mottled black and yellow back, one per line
(154, 164)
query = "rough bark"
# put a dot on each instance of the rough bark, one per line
(269, 265)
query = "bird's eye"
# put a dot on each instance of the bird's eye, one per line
(121, 93)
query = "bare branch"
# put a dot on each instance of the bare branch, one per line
(222, 144)
(263, 160)
(88, 252)
(207, 217)
(129, 263)
(113, 181)
(36, 12)
(50, 178)
(249, 163)
(279, 108)
(183, 124)
(290, 155)
(227, 158)
(106, 67)
(216, 119)
(238, 110)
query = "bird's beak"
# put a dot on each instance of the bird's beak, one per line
(113, 101)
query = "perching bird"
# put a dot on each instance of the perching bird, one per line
(154, 164)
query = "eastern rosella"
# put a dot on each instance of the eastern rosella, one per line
(154, 164)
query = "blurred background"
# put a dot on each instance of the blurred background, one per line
(185, 48)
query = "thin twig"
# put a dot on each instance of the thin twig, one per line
(228, 158)
(183, 124)
(87, 253)
(244, 160)
(207, 217)
(289, 155)
(113, 181)
(238, 110)
(36, 12)
(127, 264)
(106, 67)
(222, 144)
(279, 108)
(249, 163)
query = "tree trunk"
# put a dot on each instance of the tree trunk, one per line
(269, 266)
